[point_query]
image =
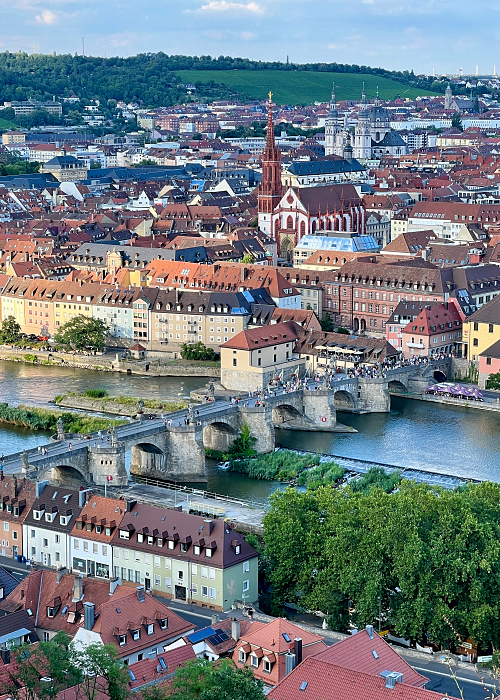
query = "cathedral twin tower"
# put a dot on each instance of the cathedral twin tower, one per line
(373, 136)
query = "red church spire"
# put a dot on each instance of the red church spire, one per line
(271, 189)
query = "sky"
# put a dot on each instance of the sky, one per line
(423, 35)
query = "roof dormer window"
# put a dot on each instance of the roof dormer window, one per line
(136, 634)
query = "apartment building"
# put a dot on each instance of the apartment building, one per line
(47, 527)
(16, 499)
(184, 557)
(90, 550)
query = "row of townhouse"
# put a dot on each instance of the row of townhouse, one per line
(177, 555)
(160, 319)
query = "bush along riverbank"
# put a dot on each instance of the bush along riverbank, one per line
(46, 419)
(299, 469)
(98, 399)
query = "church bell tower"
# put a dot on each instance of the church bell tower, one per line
(271, 189)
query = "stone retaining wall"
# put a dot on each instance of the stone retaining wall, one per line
(107, 363)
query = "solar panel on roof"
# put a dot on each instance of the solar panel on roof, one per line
(201, 634)
(286, 637)
(162, 663)
(131, 674)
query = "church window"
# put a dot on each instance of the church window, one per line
(302, 228)
(289, 222)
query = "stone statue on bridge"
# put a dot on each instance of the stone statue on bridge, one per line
(60, 429)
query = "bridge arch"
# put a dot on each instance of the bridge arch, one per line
(397, 386)
(147, 458)
(439, 375)
(285, 413)
(219, 436)
(65, 475)
(344, 400)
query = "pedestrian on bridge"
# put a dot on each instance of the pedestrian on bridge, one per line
(70, 447)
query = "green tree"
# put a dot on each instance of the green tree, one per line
(54, 659)
(10, 331)
(344, 331)
(493, 381)
(203, 680)
(456, 121)
(104, 673)
(248, 259)
(434, 575)
(83, 333)
(198, 351)
(327, 323)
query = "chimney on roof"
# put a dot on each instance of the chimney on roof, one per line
(114, 582)
(5, 653)
(60, 573)
(78, 588)
(235, 629)
(141, 594)
(392, 678)
(425, 253)
(369, 629)
(88, 615)
(13, 488)
(39, 487)
(289, 662)
(297, 648)
(130, 505)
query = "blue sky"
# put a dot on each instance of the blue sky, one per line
(394, 34)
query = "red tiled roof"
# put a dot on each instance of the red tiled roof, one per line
(356, 653)
(265, 336)
(323, 681)
(130, 614)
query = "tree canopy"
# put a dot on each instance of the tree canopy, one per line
(83, 333)
(10, 330)
(431, 554)
(42, 671)
(198, 351)
(201, 680)
(148, 78)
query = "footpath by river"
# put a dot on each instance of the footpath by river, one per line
(415, 434)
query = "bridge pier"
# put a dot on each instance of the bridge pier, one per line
(186, 454)
(260, 421)
(107, 460)
(319, 409)
(373, 395)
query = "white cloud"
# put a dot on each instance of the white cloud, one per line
(224, 6)
(47, 17)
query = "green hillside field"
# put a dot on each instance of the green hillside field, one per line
(6, 125)
(302, 87)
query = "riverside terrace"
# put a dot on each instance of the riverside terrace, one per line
(173, 448)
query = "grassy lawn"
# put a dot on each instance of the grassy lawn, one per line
(302, 87)
(6, 125)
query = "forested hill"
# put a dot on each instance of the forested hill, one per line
(150, 79)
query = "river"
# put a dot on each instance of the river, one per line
(448, 439)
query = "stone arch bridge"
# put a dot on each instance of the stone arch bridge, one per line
(176, 452)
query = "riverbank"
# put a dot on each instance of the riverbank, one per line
(110, 361)
(118, 405)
